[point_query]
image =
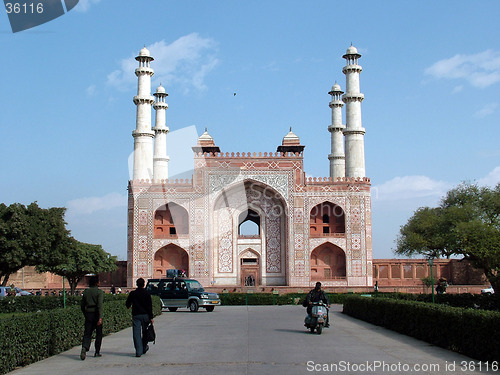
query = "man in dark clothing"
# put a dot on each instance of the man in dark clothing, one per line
(91, 306)
(316, 295)
(142, 315)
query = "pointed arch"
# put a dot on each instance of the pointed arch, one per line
(170, 257)
(170, 221)
(328, 262)
(249, 223)
(326, 219)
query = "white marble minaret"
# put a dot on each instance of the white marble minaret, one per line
(160, 159)
(337, 156)
(143, 135)
(354, 131)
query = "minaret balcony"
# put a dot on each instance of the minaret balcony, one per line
(336, 103)
(160, 105)
(158, 130)
(143, 100)
(142, 133)
(333, 128)
(360, 131)
(353, 97)
(144, 70)
(354, 68)
(336, 157)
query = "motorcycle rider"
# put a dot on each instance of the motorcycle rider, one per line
(316, 295)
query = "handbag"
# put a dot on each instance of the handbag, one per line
(150, 334)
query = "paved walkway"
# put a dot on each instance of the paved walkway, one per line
(259, 340)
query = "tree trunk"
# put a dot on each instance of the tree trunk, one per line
(73, 282)
(5, 279)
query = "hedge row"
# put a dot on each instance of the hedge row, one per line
(466, 300)
(39, 303)
(475, 333)
(272, 299)
(33, 336)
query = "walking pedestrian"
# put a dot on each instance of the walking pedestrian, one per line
(91, 305)
(142, 315)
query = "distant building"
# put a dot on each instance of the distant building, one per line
(251, 214)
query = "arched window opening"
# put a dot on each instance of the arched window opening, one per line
(328, 262)
(170, 257)
(327, 219)
(249, 224)
(171, 221)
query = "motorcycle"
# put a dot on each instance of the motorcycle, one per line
(317, 318)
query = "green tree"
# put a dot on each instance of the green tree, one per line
(82, 259)
(467, 223)
(30, 236)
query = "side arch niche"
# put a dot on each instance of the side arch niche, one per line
(171, 221)
(170, 257)
(327, 220)
(328, 262)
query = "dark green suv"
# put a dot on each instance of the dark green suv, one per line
(179, 292)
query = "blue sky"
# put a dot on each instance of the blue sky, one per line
(431, 79)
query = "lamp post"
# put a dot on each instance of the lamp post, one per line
(431, 263)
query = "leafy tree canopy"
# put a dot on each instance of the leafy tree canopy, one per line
(82, 259)
(467, 223)
(29, 236)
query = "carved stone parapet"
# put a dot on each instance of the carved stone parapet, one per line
(144, 133)
(354, 68)
(338, 180)
(244, 155)
(144, 70)
(358, 97)
(143, 100)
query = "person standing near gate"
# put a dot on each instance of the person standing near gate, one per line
(91, 305)
(142, 315)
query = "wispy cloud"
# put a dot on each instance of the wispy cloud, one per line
(84, 5)
(487, 110)
(409, 187)
(480, 70)
(90, 90)
(89, 205)
(491, 179)
(185, 62)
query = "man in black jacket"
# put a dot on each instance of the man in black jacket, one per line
(142, 315)
(91, 305)
(316, 295)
